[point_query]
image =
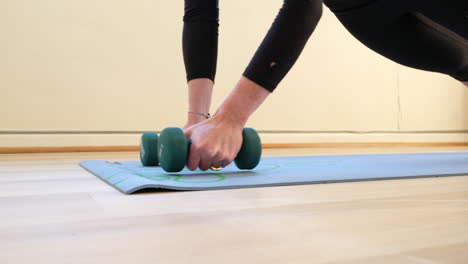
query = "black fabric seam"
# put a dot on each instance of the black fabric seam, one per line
(354, 7)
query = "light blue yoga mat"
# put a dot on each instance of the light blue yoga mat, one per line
(131, 176)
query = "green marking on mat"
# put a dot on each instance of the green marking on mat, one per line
(219, 178)
(110, 177)
(120, 181)
(149, 168)
(152, 177)
(273, 167)
(113, 165)
(121, 167)
(197, 170)
(154, 174)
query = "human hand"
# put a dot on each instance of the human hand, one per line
(193, 120)
(215, 143)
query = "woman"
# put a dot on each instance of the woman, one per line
(429, 35)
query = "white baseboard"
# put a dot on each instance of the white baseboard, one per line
(132, 139)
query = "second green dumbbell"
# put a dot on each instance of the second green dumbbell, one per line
(174, 147)
(149, 149)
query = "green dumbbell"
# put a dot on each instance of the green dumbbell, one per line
(149, 149)
(174, 148)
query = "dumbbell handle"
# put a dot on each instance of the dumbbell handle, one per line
(247, 158)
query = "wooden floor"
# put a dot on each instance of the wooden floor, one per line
(52, 211)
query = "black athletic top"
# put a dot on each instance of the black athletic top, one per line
(276, 55)
(424, 34)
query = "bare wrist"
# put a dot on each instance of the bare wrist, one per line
(193, 118)
(229, 119)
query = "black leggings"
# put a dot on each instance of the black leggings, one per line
(430, 35)
(200, 38)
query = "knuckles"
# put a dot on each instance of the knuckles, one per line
(203, 152)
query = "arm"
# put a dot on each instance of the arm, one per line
(200, 91)
(284, 42)
(200, 52)
(216, 142)
(242, 102)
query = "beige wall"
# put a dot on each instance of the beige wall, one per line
(117, 66)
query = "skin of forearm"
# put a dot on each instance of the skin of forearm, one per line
(200, 93)
(242, 102)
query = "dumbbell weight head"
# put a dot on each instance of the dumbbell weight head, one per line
(173, 149)
(149, 149)
(251, 150)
